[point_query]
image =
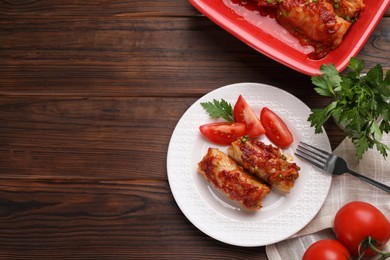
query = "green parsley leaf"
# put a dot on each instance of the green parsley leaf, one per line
(361, 146)
(328, 82)
(322, 87)
(356, 65)
(376, 131)
(319, 116)
(385, 126)
(386, 81)
(219, 109)
(382, 148)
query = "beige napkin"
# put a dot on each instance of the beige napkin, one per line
(344, 189)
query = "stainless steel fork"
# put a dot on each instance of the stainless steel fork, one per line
(331, 163)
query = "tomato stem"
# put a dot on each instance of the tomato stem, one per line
(370, 242)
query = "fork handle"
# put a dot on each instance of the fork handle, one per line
(371, 181)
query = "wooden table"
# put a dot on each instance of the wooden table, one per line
(90, 92)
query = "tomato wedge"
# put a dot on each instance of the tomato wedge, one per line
(276, 130)
(223, 133)
(243, 113)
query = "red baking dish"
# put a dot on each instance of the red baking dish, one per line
(265, 35)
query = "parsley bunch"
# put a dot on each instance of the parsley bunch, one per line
(361, 104)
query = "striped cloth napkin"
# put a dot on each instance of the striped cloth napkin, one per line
(344, 189)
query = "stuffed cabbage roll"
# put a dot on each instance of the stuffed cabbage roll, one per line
(226, 175)
(266, 162)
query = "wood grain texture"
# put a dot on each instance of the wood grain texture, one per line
(118, 138)
(90, 93)
(95, 9)
(76, 219)
(126, 57)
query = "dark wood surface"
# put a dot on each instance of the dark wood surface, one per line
(90, 92)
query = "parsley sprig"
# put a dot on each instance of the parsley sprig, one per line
(361, 104)
(219, 109)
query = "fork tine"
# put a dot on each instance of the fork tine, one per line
(311, 152)
(316, 161)
(315, 148)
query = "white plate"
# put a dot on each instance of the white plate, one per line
(212, 211)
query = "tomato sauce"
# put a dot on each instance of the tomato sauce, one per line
(264, 19)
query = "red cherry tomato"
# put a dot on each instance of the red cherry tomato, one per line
(356, 221)
(327, 249)
(243, 113)
(223, 133)
(276, 130)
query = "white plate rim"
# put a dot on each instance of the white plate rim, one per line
(223, 227)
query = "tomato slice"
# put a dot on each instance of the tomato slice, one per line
(243, 113)
(223, 133)
(275, 129)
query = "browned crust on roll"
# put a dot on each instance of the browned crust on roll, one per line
(226, 175)
(266, 162)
